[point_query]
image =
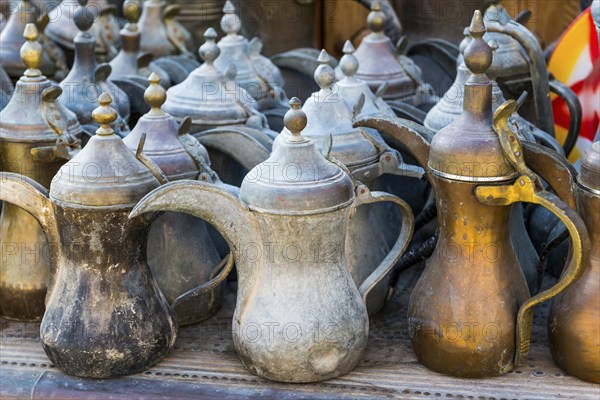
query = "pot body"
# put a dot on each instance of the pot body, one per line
(299, 316)
(574, 325)
(105, 315)
(463, 310)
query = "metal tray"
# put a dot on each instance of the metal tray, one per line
(204, 364)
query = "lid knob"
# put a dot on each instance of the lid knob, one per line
(155, 95)
(295, 120)
(132, 11)
(324, 74)
(105, 115)
(349, 63)
(478, 55)
(376, 19)
(84, 18)
(31, 52)
(230, 22)
(209, 51)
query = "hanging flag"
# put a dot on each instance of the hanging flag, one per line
(575, 62)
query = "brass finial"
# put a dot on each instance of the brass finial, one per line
(295, 120)
(324, 74)
(104, 115)
(209, 51)
(132, 11)
(155, 95)
(230, 22)
(84, 18)
(478, 55)
(376, 19)
(31, 52)
(349, 63)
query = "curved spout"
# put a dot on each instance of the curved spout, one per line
(537, 70)
(33, 198)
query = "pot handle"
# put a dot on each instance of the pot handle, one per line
(528, 188)
(365, 196)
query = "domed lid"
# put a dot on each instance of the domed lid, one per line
(512, 59)
(468, 149)
(296, 179)
(106, 172)
(377, 59)
(162, 141)
(154, 32)
(329, 114)
(125, 62)
(234, 51)
(205, 96)
(590, 168)
(351, 88)
(25, 116)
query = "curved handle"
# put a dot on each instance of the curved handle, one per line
(575, 112)
(364, 196)
(524, 190)
(176, 33)
(32, 197)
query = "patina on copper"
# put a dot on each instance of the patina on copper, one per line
(275, 287)
(37, 136)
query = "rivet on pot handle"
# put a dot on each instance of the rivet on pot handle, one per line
(528, 188)
(365, 196)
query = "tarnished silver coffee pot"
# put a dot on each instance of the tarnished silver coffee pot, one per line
(87, 80)
(181, 253)
(287, 232)
(37, 136)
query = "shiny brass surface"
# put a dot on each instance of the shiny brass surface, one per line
(36, 138)
(574, 324)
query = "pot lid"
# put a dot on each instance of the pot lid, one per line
(296, 179)
(590, 168)
(162, 137)
(125, 62)
(468, 149)
(106, 172)
(26, 116)
(235, 51)
(154, 32)
(512, 59)
(377, 59)
(351, 88)
(206, 96)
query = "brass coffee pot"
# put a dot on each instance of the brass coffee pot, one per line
(181, 254)
(367, 158)
(162, 35)
(63, 27)
(255, 73)
(11, 40)
(380, 63)
(287, 233)
(37, 136)
(87, 80)
(105, 316)
(470, 314)
(130, 62)
(574, 324)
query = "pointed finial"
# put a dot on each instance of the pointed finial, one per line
(132, 11)
(324, 74)
(478, 55)
(155, 95)
(349, 63)
(104, 115)
(84, 17)
(209, 51)
(376, 19)
(295, 120)
(31, 52)
(230, 22)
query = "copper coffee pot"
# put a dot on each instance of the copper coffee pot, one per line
(470, 314)
(162, 35)
(37, 136)
(574, 324)
(87, 80)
